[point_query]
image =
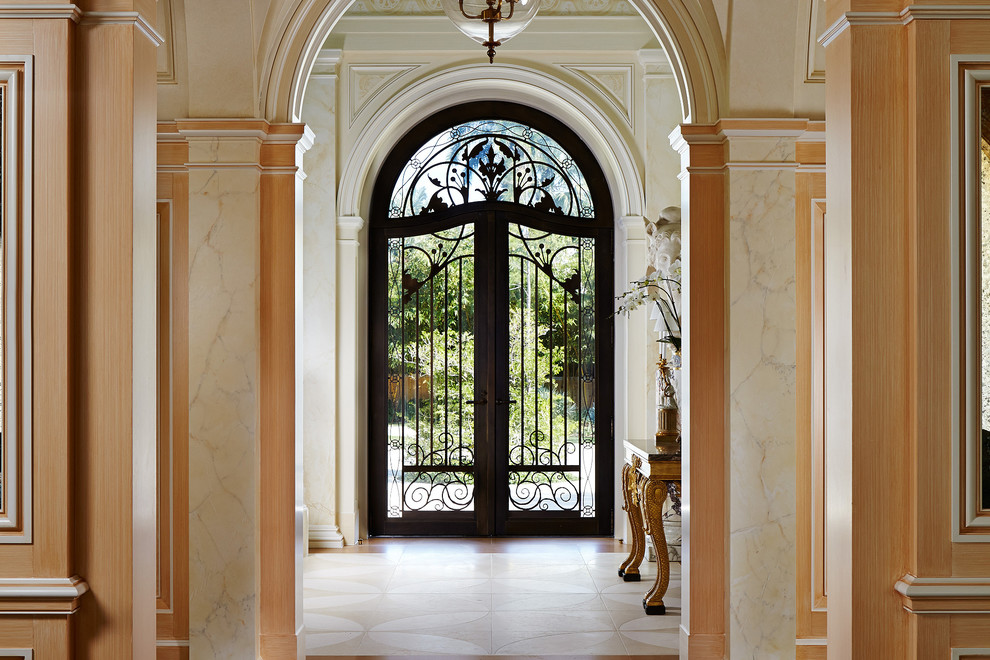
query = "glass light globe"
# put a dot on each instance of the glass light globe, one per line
(477, 28)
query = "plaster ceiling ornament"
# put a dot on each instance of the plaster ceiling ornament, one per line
(615, 82)
(491, 22)
(368, 80)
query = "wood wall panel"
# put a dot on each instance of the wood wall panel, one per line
(112, 206)
(929, 252)
(811, 653)
(93, 112)
(811, 363)
(704, 200)
(279, 617)
(173, 477)
(52, 216)
(868, 335)
(890, 202)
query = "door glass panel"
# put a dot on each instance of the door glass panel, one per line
(552, 375)
(491, 160)
(430, 334)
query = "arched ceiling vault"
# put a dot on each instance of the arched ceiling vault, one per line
(688, 30)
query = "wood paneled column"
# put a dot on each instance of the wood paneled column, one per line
(86, 141)
(905, 577)
(704, 614)
(280, 487)
(113, 336)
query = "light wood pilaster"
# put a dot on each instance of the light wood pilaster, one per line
(705, 383)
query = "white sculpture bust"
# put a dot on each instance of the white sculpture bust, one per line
(664, 237)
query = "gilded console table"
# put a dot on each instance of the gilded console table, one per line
(647, 478)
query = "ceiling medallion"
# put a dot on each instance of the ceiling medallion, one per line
(491, 22)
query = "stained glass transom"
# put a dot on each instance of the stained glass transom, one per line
(491, 160)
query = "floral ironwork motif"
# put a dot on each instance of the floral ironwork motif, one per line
(491, 160)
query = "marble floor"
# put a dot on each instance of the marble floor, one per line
(484, 597)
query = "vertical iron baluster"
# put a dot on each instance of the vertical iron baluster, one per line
(550, 371)
(460, 363)
(432, 405)
(446, 366)
(536, 360)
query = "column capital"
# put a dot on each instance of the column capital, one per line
(349, 226)
(327, 63)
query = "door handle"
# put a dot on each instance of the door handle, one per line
(480, 402)
(502, 402)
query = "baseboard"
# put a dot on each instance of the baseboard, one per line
(703, 646)
(323, 537)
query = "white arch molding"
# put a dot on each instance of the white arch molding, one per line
(502, 82)
(688, 31)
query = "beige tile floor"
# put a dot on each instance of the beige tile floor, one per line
(484, 597)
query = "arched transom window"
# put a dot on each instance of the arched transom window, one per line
(491, 160)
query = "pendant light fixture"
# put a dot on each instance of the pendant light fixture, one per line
(491, 22)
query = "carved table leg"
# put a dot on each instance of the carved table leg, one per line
(653, 496)
(629, 570)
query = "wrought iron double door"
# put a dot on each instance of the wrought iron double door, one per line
(492, 376)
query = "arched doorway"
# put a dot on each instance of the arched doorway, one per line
(689, 32)
(491, 334)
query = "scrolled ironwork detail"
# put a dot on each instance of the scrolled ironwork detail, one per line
(543, 491)
(491, 160)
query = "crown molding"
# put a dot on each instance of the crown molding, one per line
(903, 17)
(32, 11)
(123, 18)
(76, 15)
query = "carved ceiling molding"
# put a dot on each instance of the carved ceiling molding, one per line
(816, 52)
(166, 52)
(615, 82)
(367, 81)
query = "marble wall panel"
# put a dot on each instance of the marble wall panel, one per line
(762, 412)
(223, 392)
(319, 300)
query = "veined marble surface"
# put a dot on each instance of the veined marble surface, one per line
(471, 597)
(223, 341)
(319, 304)
(762, 411)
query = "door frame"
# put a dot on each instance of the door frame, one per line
(489, 521)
